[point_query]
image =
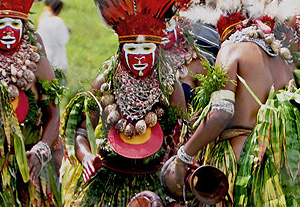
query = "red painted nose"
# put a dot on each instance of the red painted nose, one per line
(8, 30)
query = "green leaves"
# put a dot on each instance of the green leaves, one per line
(21, 155)
(214, 80)
(51, 90)
(13, 134)
(89, 127)
(269, 162)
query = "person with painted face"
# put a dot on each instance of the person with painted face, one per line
(186, 59)
(29, 115)
(187, 46)
(136, 107)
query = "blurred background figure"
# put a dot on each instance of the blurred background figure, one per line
(55, 34)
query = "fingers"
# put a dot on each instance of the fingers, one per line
(87, 174)
(85, 179)
(180, 173)
(88, 167)
(34, 165)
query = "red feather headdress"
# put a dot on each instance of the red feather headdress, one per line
(135, 20)
(227, 24)
(15, 8)
(183, 4)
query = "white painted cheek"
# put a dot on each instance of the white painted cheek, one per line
(153, 58)
(21, 33)
(127, 61)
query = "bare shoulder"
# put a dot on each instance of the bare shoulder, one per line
(44, 69)
(239, 52)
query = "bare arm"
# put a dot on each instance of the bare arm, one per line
(178, 97)
(82, 146)
(215, 122)
(51, 117)
(90, 162)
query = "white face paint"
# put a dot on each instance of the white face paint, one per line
(140, 57)
(10, 32)
(171, 34)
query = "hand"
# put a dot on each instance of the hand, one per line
(34, 165)
(90, 164)
(180, 172)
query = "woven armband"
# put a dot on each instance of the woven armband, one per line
(223, 100)
(82, 132)
(183, 156)
(43, 152)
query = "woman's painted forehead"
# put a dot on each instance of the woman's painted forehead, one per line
(139, 45)
(10, 20)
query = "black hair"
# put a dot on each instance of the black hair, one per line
(56, 5)
(170, 13)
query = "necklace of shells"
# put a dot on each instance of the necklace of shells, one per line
(181, 55)
(135, 99)
(17, 70)
(267, 42)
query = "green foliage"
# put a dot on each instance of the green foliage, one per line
(214, 80)
(269, 162)
(13, 135)
(90, 43)
(53, 89)
(297, 77)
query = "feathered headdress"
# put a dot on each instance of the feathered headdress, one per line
(202, 13)
(183, 4)
(135, 20)
(15, 8)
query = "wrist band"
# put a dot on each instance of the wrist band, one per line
(183, 156)
(82, 132)
(43, 152)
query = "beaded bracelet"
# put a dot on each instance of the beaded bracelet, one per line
(183, 156)
(43, 152)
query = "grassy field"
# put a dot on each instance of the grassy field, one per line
(89, 46)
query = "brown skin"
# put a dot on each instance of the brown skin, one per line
(260, 72)
(52, 112)
(82, 146)
(195, 67)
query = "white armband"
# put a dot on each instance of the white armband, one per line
(183, 156)
(223, 100)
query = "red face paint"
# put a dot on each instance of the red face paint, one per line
(10, 33)
(140, 58)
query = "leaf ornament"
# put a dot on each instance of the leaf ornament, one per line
(272, 154)
(82, 103)
(13, 134)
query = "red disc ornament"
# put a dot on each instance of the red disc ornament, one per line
(139, 150)
(21, 106)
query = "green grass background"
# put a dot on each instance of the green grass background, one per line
(90, 43)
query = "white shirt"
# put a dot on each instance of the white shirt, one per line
(55, 36)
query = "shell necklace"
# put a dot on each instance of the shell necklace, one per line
(17, 70)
